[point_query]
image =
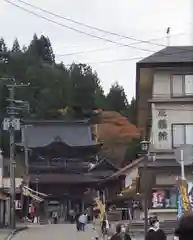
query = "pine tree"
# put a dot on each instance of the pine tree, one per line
(132, 111)
(117, 99)
(84, 83)
(33, 47)
(41, 48)
(16, 46)
(46, 50)
(3, 47)
(3, 51)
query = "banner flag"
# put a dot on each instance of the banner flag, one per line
(183, 195)
(179, 206)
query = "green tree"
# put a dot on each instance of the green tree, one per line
(132, 111)
(33, 47)
(3, 47)
(117, 99)
(53, 87)
(84, 83)
(16, 46)
(100, 98)
(41, 49)
(46, 51)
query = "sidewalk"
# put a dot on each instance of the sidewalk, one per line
(4, 233)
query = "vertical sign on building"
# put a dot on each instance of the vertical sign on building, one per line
(179, 206)
(162, 125)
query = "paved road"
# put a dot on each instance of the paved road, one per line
(3, 235)
(59, 232)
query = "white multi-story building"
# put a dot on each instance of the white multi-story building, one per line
(164, 94)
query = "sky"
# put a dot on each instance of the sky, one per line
(113, 61)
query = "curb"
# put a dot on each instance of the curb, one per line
(14, 232)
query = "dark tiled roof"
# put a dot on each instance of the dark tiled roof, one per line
(104, 163)
(100, 174)
(62, 178)
(175, 54)
(72, 134)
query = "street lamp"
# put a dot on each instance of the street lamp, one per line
(145, 145)
(145, 148)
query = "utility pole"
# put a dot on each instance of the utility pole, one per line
(12, 159)
(11, 124)
(26, 152)
(26, 164)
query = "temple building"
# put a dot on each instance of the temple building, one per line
(63, 160)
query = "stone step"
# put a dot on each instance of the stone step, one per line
(43, 221)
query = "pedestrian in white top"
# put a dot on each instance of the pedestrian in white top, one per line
(83, 221)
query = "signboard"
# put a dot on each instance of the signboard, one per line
(158, 199)
(162, 126)
(7, 123)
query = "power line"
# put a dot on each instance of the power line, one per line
(77, 30)
(91, 35)
(137, 41)
(111, 61)
(106, 49)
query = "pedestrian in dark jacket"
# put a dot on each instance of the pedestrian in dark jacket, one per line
(77, 222)
(117, 235)
(126, 233)
(154, 232)
(184, 230)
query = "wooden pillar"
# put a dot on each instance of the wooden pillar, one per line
(69, 207)
(46, 208)
(65, 210)
(82, 206)
(1, 212)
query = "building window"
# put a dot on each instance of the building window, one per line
(182, 85)
(182, 134)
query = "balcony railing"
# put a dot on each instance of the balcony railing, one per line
(169, 96)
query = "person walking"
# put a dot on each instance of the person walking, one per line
(117, 235)
(55, 217)
(184, 230)
(97, 227)
(32, 212)
(125, 233)
(105, 227)
(77, 222)
(154, 232)
(83, 220)
(71, 215)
